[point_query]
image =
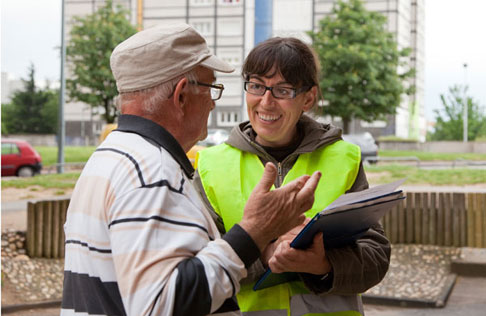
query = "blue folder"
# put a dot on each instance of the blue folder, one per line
(342, 223)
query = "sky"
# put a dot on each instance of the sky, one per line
(454, 35)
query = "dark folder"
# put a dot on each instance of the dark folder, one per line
(342, 223)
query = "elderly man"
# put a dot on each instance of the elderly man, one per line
(138, 240)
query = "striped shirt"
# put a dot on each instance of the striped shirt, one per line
(138, 240)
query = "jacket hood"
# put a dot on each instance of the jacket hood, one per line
(316, 135)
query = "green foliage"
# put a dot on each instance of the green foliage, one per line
(72, 154)
(32, 110)
(92, 39)
(449, 120)
(359, 64)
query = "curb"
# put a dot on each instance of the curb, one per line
(414, 302)
(468, 268)
(19, 307)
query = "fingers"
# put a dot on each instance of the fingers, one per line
(268, 178)
(307, 192)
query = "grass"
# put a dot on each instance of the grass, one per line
(431, 156)
(456, 176)
(59, 181)
(72, 154)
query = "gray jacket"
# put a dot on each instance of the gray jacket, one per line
(355, 268)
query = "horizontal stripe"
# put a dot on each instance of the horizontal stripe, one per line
(270, 312)
(192, 296)
(303, 304)
(160, 183)
(85, 294)
(230, 305)
(77, 242)
(161, 219)
(135, 163)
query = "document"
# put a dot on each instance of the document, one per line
(342, 223)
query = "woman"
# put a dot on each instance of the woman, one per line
(281, 81)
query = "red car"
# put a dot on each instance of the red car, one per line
(19, 159)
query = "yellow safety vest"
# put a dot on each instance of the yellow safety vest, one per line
(229, 175)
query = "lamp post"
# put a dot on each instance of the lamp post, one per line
(61, 131)
(464, 112)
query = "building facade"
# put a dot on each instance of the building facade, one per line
(232, 27)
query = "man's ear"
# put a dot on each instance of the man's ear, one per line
(310, 99)
(180, 93)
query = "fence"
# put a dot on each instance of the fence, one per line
(444, 219)
(45, 233)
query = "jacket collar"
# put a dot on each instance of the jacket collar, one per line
(156, 133)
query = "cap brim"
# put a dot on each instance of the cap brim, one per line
(214, 63)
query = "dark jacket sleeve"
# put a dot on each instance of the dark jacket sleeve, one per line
(358, 267)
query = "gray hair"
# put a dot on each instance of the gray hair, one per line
(151, 97)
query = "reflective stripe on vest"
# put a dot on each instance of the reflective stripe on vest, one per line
(229, 175)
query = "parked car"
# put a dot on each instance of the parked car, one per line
(20, 159)
(367, 144)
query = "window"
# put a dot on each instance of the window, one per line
(9, 149)
(201, 2)
(228, 118)
(203, 27)
(229, 1)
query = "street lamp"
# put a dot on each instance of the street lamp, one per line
(464, 112)
(62, 127)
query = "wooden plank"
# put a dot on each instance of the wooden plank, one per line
(31, 234)
(394, 225)
(478, 221)
(64, 206)
(39, 229)
(409, 218)
(440, 219)
(470, 220)
(462, 219)
(401, 222)
(425, 217)
(47, 244)
(433, 218)
(447, 219)
(456, 219)
(56, 234)
(417, 218)
(482, 208)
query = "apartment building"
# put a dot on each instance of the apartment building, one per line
(232, 27)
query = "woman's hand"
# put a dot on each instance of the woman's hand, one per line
(311, 260)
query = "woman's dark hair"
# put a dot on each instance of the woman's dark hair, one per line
(291, 57)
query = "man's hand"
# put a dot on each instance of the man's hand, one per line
(311, 260)
(269, 214)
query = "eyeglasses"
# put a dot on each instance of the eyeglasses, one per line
(216, 89)
(278, 92)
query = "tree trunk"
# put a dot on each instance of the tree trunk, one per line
(346, 122)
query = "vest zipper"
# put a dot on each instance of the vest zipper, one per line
(279, 172)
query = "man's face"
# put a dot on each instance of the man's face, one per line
(199, 105)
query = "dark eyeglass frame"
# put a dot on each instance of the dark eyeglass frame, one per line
(218, 86)
(294, 94)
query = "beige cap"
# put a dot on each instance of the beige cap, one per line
(159, 54)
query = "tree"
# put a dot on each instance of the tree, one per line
(359, 64)
(449, 120)
(93, 38)
(32, 110)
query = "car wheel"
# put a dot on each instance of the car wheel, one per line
(25, 172)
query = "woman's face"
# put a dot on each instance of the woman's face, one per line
(275, 120)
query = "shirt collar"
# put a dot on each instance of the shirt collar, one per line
(155, 132)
